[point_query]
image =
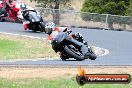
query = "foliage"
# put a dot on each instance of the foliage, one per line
(115, 7)
(55, 4)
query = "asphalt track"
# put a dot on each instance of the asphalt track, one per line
(119, 44)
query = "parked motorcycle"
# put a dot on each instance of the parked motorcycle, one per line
(33, 21)
(69, 49)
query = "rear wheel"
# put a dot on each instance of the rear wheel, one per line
(33, 30)
(1, 13)
(1, 20)
(64, 57)
(72, 53)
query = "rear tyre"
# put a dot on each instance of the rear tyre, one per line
(2, 20)
(63, 58)
(34, 30)
(72, 54)
(33, 27)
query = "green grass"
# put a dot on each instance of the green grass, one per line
(54, 83)
(24, 48)
(9, 48)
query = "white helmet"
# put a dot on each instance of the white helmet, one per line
(23, 6)
(49, 27)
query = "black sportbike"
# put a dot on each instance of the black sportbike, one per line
(70, 48)
(36, 22)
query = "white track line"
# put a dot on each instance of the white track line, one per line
(23, 35)
(105, 51)
(38, 59)
(100, 51)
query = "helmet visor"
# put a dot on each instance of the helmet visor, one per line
(48, 30)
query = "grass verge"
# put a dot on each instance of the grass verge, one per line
(14, 47)
(54, 83)
(54, 72)
(55, 77)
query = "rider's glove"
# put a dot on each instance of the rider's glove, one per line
(69, 31)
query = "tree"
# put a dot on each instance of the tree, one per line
(115, 7)
(54, 4)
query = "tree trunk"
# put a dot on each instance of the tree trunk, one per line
(56, 14)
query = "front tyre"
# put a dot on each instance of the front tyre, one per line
(19, 20)
(42, 27)
(92, 55)
(73, 54)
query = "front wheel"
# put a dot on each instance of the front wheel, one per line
(42, 27)
(92, 55)
(19, 20)
(71, 53)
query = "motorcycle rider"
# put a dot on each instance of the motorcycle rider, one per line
(25, 13)
(53, 31)
(8, 3)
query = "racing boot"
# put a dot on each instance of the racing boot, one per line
(25, 24)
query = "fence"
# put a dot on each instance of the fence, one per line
(87, 20)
